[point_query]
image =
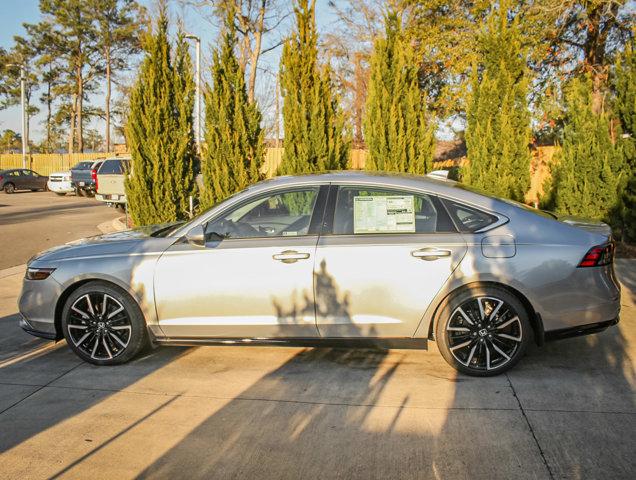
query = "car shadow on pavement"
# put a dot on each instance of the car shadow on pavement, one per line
(43, 212)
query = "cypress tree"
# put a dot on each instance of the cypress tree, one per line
(397, 129)
(625, 109)
(315, 136)
(587, 172)
(159, 131)
(234, 139)
(498, 129)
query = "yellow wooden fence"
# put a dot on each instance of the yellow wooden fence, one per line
(47, 163)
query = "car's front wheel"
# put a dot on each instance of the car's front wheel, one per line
(103, 325)
(483, 331)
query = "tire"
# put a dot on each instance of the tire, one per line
(9, 188)
(483, 331)
(79, 192)
(109, 338)
(61, 194)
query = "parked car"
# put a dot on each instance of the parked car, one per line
(83, 176)
(341, 258)
(60, 183)
(22, 179)
(109, 182)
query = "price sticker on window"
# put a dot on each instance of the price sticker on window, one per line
(384, 214)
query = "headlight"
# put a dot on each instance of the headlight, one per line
(38, 273)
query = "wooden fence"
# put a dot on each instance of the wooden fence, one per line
(47, 163)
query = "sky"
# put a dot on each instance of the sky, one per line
(13, 13)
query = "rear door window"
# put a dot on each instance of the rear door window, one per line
(367, 210)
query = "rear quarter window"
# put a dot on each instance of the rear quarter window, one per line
(468, 219)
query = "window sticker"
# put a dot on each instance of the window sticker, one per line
(383, 214)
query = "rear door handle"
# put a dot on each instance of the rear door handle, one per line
(430, 253)
(290, 256)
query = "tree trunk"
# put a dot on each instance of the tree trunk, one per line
(80, 108)
(107, 100)
(48, 117)
(71, 129)
(256, 52)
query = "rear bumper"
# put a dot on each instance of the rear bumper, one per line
(111, 198)
(60, 187)
(580, 330)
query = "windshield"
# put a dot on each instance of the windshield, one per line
(195, 219)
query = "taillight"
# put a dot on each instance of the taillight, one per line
(1, 177)
(94, 177)
(598, 256)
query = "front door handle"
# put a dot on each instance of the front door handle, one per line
(430, 253)
(290, 256)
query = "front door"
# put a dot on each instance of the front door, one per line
(254, 278)
(385, 256)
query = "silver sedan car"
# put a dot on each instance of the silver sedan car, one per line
(348, 258)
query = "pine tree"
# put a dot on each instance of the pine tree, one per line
(397, 129)
(498, 130)
(233, 136)
(625, 110)
(587, 172)
(159, 131)
(315, 136)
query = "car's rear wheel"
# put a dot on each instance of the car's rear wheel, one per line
(9, 188)
(483, 331)
(103, 324)
(79, 192)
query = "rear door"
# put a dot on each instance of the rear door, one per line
(383, 256)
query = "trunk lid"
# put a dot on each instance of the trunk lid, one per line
(592, 226)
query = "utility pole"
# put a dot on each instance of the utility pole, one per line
(197, 99)
(25, 140)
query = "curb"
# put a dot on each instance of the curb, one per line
(116, 225)
(11, 271)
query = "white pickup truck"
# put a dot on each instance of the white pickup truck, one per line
(110, 181)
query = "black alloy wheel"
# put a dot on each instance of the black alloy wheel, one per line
(483, 332)
(103, 325)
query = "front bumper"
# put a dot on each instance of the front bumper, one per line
(60, 187)
(28, 328)
(37, 304)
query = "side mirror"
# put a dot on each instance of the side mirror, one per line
(196, 236)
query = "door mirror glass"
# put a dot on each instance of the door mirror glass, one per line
(196, 236)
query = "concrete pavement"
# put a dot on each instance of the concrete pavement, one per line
(34, 221)
(568, 410)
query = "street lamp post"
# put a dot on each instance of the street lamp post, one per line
(25, 140)
(197, 99)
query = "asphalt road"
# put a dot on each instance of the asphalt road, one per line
(34, 221)
(568, 410)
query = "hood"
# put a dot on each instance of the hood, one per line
(593, 226)
(108, 244)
